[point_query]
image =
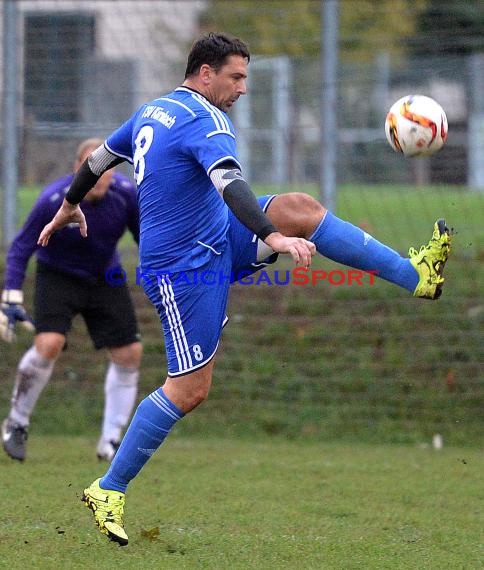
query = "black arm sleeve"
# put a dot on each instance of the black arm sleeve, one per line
(83, 181)
(243, 203)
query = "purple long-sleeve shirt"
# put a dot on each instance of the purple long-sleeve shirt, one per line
(67, 251)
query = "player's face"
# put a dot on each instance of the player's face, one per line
(228, 83)
(98, 191)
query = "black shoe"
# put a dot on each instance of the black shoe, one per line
(14, 437)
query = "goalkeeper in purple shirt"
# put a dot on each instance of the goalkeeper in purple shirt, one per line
(70, 280)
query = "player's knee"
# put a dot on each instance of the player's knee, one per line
(194, 397)
(188, 392)
(49, 345)
(192, 400)
(128, 356)
(296, 213)
(305, 204)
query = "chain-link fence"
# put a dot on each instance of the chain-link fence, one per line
(84, 66)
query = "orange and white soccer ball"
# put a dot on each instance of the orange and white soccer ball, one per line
(416, 125)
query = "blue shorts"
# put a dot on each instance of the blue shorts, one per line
(192, 304)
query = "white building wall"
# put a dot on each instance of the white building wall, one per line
(155, 33)
(151, 36)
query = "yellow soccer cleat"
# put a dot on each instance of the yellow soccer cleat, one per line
(108, 509)
(429, 262)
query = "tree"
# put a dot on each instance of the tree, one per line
(293, 27)
(270, 27)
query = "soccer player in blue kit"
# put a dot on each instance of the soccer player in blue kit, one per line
(70, 280)
(199, 216)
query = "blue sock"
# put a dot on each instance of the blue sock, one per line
(152, 422)
(347, 244)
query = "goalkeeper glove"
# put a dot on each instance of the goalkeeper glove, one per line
(11, 311)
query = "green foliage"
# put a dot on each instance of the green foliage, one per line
(217, 503)
(400, 27)
(283, 27)
(270, 28)
(367, 25)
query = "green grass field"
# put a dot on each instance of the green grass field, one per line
(313, 449)
(225, 504)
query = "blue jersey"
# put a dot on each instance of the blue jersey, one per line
(174, 142)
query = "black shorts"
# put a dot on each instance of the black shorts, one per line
(106, 309)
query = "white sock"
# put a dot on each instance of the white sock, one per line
(33, 373)
(120, 391)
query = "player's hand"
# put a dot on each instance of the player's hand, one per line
(12, 312)
(66, 214)
(300, 249)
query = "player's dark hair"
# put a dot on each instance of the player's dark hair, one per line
(213, 49)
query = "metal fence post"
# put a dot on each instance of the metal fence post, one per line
(329, 102)
(475, 129)
(9, 120)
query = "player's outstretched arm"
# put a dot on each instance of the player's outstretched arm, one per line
(66, 214)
